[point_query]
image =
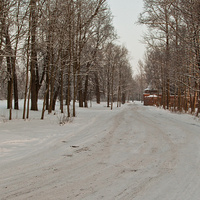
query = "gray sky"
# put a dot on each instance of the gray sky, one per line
(125, 14)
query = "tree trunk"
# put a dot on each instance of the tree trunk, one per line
(9, 71)
(86, 91)
(33, 62)
(164, 93)
(68, 89)
(12, 82)
(123, 98)
(168, 93)
(112, 87)
(119, 95)
(52, 81)
(16, 102)
(167, 56)
(47, 95)
(47, 75)
(108, 89)
(26, 85)
(179, 98)
(98, 96)
(80, 92)
(28, 103)
(74, 90)
(44, 102)
(61, 84)
(68, 98)
(55, 98)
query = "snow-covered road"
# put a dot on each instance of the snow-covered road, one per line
(133, 152)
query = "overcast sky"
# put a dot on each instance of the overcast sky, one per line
(125, 14)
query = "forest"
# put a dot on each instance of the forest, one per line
(66, 50)
(61, 50)
(172, 59)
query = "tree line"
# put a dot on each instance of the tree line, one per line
(172, 61)
(61, 49)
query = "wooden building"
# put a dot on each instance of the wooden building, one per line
(151, 96)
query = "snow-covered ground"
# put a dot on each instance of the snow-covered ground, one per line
(132, 152)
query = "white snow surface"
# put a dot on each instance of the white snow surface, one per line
(153, 95)
(132, 152)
